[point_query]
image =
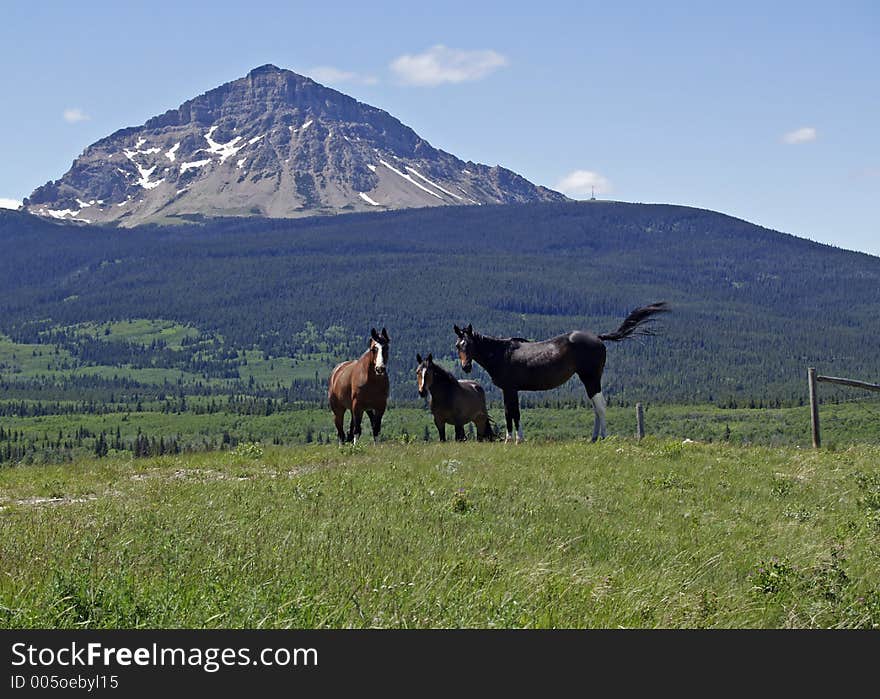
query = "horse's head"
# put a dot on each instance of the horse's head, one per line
(465, 347)
(425, 374)
(379, 350)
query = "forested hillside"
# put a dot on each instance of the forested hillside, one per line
(751, 307)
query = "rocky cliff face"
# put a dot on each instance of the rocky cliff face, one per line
(275, 144)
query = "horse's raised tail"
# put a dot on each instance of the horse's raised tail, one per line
(635, 321)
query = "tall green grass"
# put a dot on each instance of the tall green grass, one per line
(566, 534)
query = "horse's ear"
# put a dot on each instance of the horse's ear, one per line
(374, 334)
(470, 329)
(430, 358)
(385, 334)
(419, 358)
(458, 330)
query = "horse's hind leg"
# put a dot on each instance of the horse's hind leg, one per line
(484, 428)
(593, 384)
(481, 422)
(357, 418)
(600, 426)
(459, 432)
(338, 418)
(339, 421)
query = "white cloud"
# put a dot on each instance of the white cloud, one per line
(580, 184)
(802, 135)
(329, 74)
(74, 114)
(440, 64)
(9, 203)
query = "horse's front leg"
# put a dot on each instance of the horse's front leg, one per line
(376, 422)
(372, 416)
(441, 427)
(511, 416)
(459, 433)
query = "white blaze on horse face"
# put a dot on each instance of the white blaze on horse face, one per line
(380, 360)
(421, 374)
(599, 405)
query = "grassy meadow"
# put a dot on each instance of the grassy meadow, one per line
(842, 424)
(220, 499)
(658, 533)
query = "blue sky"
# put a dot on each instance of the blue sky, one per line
(766, 111)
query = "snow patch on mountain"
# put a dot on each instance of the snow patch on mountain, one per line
(433, 184)
(224, 150)
(367, 199)
(196, 163)
(409, 179)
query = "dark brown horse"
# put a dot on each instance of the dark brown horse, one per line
(361, 386)
(453, 402)
(515, 364)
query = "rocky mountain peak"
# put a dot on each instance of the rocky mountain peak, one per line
(273, 143)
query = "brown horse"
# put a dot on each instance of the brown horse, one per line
(361, 386)
(515, 364)
(453, 402)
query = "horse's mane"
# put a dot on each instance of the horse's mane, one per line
(444, 375)
(493, 348)
(501, 339)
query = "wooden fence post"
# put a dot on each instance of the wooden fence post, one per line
(814, 407)
(640, 421)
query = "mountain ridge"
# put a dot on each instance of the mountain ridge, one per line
(275, 144)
